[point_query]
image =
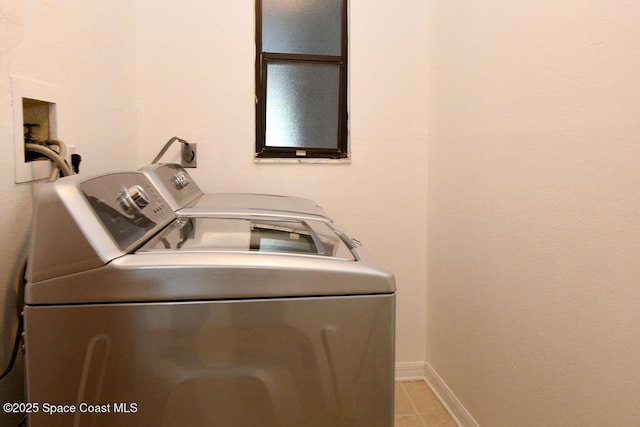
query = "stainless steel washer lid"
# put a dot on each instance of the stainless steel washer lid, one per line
(260, 233)
(212, 258)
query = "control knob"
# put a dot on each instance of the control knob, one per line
(180, 180)
(133, 199)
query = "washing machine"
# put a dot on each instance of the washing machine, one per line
(138, 316)
(182, 193)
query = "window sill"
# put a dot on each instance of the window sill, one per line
(302, 160)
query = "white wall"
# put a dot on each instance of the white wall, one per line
(87, 50)
(196, 80)
(534, 209)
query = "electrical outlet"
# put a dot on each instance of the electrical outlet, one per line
(189, 157)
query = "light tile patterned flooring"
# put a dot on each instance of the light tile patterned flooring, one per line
(417, 406)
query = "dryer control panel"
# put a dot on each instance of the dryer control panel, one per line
(174, 184)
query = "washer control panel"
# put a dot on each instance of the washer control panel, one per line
(128, 206)
(133, 199)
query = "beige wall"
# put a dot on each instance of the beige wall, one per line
(195, 80)
(534, 227)
(86, 49)
(534, 209)
(132, 74)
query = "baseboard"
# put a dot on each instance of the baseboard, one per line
(406, 371)
(421, 370)
(458, 412)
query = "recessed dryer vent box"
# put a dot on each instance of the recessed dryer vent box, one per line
(34, 117)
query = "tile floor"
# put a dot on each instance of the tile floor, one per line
(417, 406)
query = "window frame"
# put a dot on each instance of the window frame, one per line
(341, 151)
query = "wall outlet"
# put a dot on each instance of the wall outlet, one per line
(189, 158)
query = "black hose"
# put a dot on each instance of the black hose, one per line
(14, 352)
(20, 305)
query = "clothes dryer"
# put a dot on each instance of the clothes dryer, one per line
(182, 193)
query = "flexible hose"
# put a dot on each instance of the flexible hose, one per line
(62, 152)
(14, 351)
(51, 155)
(20, 282)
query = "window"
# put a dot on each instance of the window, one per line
(301, 78)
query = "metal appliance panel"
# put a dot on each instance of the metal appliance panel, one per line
(325, 361)
(81, 223)
(180, 276)
(266, 202)
(128, 206)
(180, 191)
(174, 184)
